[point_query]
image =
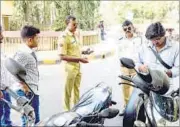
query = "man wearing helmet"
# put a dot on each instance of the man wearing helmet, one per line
(159, 46)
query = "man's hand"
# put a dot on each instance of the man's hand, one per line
(87, 51)
(143, 68)
(84, 60)
(1, 94)
(169, 73)
(25, 88)
(91, 51)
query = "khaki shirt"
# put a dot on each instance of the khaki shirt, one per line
(69, 45)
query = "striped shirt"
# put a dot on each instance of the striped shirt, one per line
(25, 57)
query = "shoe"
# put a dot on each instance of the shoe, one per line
(121, 113)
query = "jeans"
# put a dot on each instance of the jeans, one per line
(102, 36)
(5, 110)
(34, 104)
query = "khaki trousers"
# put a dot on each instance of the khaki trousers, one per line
(72, 85)
(127, 90)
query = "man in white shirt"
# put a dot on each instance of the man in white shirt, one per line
(166, 48)
(128, 48)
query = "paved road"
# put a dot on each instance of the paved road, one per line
(52, 85)
(53, 78)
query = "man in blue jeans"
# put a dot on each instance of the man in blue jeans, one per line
(101, 27)
(27, 58)
(5, 81)
(5, 110)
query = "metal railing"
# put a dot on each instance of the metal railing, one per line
(89, 37)
(48, 40)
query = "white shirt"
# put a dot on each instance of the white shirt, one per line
(129, 47)
(169, 54)
(25, 58)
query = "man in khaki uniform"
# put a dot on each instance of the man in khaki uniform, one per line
(70, 51)
(129, 45)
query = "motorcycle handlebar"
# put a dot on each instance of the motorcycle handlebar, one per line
(11, 106)
(113, 102)
(12, 93)
(84, 124)
(175, 93)
(22, 105)
(125, 78)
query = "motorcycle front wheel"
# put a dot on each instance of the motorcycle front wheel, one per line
(134, 110)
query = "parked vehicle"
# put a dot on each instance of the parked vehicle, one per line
(91, 110)
(148, 105)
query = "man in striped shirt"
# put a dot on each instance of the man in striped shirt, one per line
(27, 58)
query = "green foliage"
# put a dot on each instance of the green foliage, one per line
(84, 11)
(147, 10)
(48, 15)
(51, 14)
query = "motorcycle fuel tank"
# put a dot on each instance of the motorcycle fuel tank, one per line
(94, 100)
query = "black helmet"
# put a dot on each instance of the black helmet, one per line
(155, 80)
(160, 81)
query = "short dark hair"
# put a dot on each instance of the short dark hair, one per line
(155, 30)
(68, 18)
(126, 23)
(29, 31)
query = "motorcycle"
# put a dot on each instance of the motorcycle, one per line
(148, 104)
(91, 110)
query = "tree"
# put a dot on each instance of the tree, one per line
(147, 10)
(84, 11)
(27, 12)
(51, 14)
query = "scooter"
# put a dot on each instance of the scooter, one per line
(91, 110)
(148, 106)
